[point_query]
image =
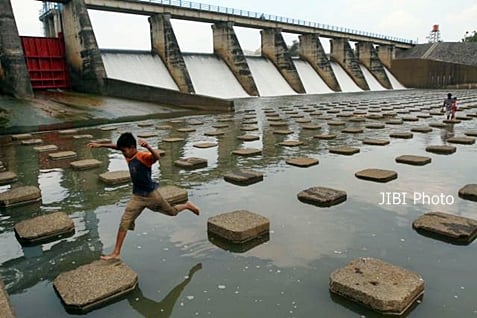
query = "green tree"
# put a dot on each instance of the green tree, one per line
(470, 36)
(294, 48)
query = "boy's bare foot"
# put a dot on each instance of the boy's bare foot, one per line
(191, 206)
(110, 256)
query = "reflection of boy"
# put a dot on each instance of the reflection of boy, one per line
(145, 190)
(447, 105)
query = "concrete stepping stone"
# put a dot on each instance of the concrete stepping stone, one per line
(471, 133)
(461, 140)
(275, 119)
(303, 121)
(214, 133)
(7, 177)
(176, 121)
(394, 122)
(441, 149)
(352, 130)
(451, 121)
(344, 150)
(109, 128)
(102, 141)
(375, 116)
(62, 155)
(172, 140)
(375, 142)
(447, 227)
(357, 120)
(191, 163)
(195, 122)
(186, 129)
(437, 125)
(383, 287)
(463, 118)
(173, 194)
(84, 136)
(322, 196)
(421, 129)
(224, 120)
(2, 167)
(325, 136)
(243, 177)
(203, 145)
(278, 124)
(409, 118)
(220, 126)
(401, 135)
(164, 127)
(249, 122)
(375, 126)
(6, 308)
(28, 142)
(85, 164)
(336, 123)
(283, 132)
(248, 128)
(291, 143)
(414, 160)
(377, 175)
(44, 228)
(68, 132)
(147, 134)
(93, 285)
(46, 148)
(147, 124)
(20, 196)
(469, 192)
(302, 162)
(247, 152)
(22, 136)
(115, 177)
(424, 116)
(311, 127)
(248, 137)
(238, 226)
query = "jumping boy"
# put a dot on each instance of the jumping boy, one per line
(145, 190)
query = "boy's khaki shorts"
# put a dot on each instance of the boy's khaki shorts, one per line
(154, 201)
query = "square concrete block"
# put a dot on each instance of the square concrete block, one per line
(441, 149)
(469, 192)
(344, 150)
(383, 287)
(7, 177)
(203, 145)
(85, 164)
(68, 132)
(246, 152)
(62, 155)
(471, 133)
(186, 129)
(401, 135)
(171, 140)
(115, 177)
(6, 308)
(421, 129)
(173, 194)
(46, 148)
(376, 142)
(352, 130)
(84, 136)
(20, 196)
(28, 142)
(322, 197)
(291, 143)
(214, 133)
(243, 177)
(447, 227)
(21, 136)
(325, 136)
(375, 126)
(414, 160)
(283, 132)
(248, 137)
(238, 226)
(191, 163)
(377, 175)
(437, 125)
(44, 228)
(461, 140)
(302, 162)
(311, 127)
(94, 285)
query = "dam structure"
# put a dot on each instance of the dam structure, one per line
(226, 73)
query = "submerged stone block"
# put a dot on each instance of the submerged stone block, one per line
(291, 143)
(115, 177)
(322, 197)
(383, 287)
(46, 148)
(469, 192)
(471, 133)
(20, 196)
(44, 228)
(302, 162)
(247, 152)
(421, 129)
(173, 194)
(238, 226)
(461, 140)
(243, 177)
(248, 137)
(28, 142)
(7, 177)
(376, 142)
(85, 164)
(377, 175)
(402, 135)
(6, 308)
(447, 227)
(325, 136)
(441, 149)
(205, 145)
(344, 150)
(21, 136)
(214, 133)
(62, 155)
(352, 130)
(414, 160)
(93, 285)
(191, 163)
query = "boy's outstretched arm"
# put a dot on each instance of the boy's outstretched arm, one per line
(100, 145)
(153, 151)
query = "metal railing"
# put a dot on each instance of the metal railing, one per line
(265, 17)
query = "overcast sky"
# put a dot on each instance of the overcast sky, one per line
(409, 19)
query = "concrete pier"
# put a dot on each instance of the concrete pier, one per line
(164, 44)
(275, 49)
(368, 56)
(14, 78)
(227, 46)
(312, 51)
(342, 54)
(386, 55)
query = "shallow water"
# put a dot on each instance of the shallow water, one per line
(286, 276)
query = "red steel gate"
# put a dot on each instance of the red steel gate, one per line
(45, 60)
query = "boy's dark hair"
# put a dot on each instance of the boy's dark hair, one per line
(449, 95)
(126, 140)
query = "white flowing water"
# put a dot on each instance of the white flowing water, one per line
(394, 82)
(268, 79)
(211, 76)
(345, 81)
(313, 83)
(140, 68)
(373, 83)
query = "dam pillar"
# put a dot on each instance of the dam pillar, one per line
(312, 51)
(164, 44)
(368, 56)
(342, 54)
(227, 46)
(275, 49)
(14, 78)
(83, 57)
(386, 55)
